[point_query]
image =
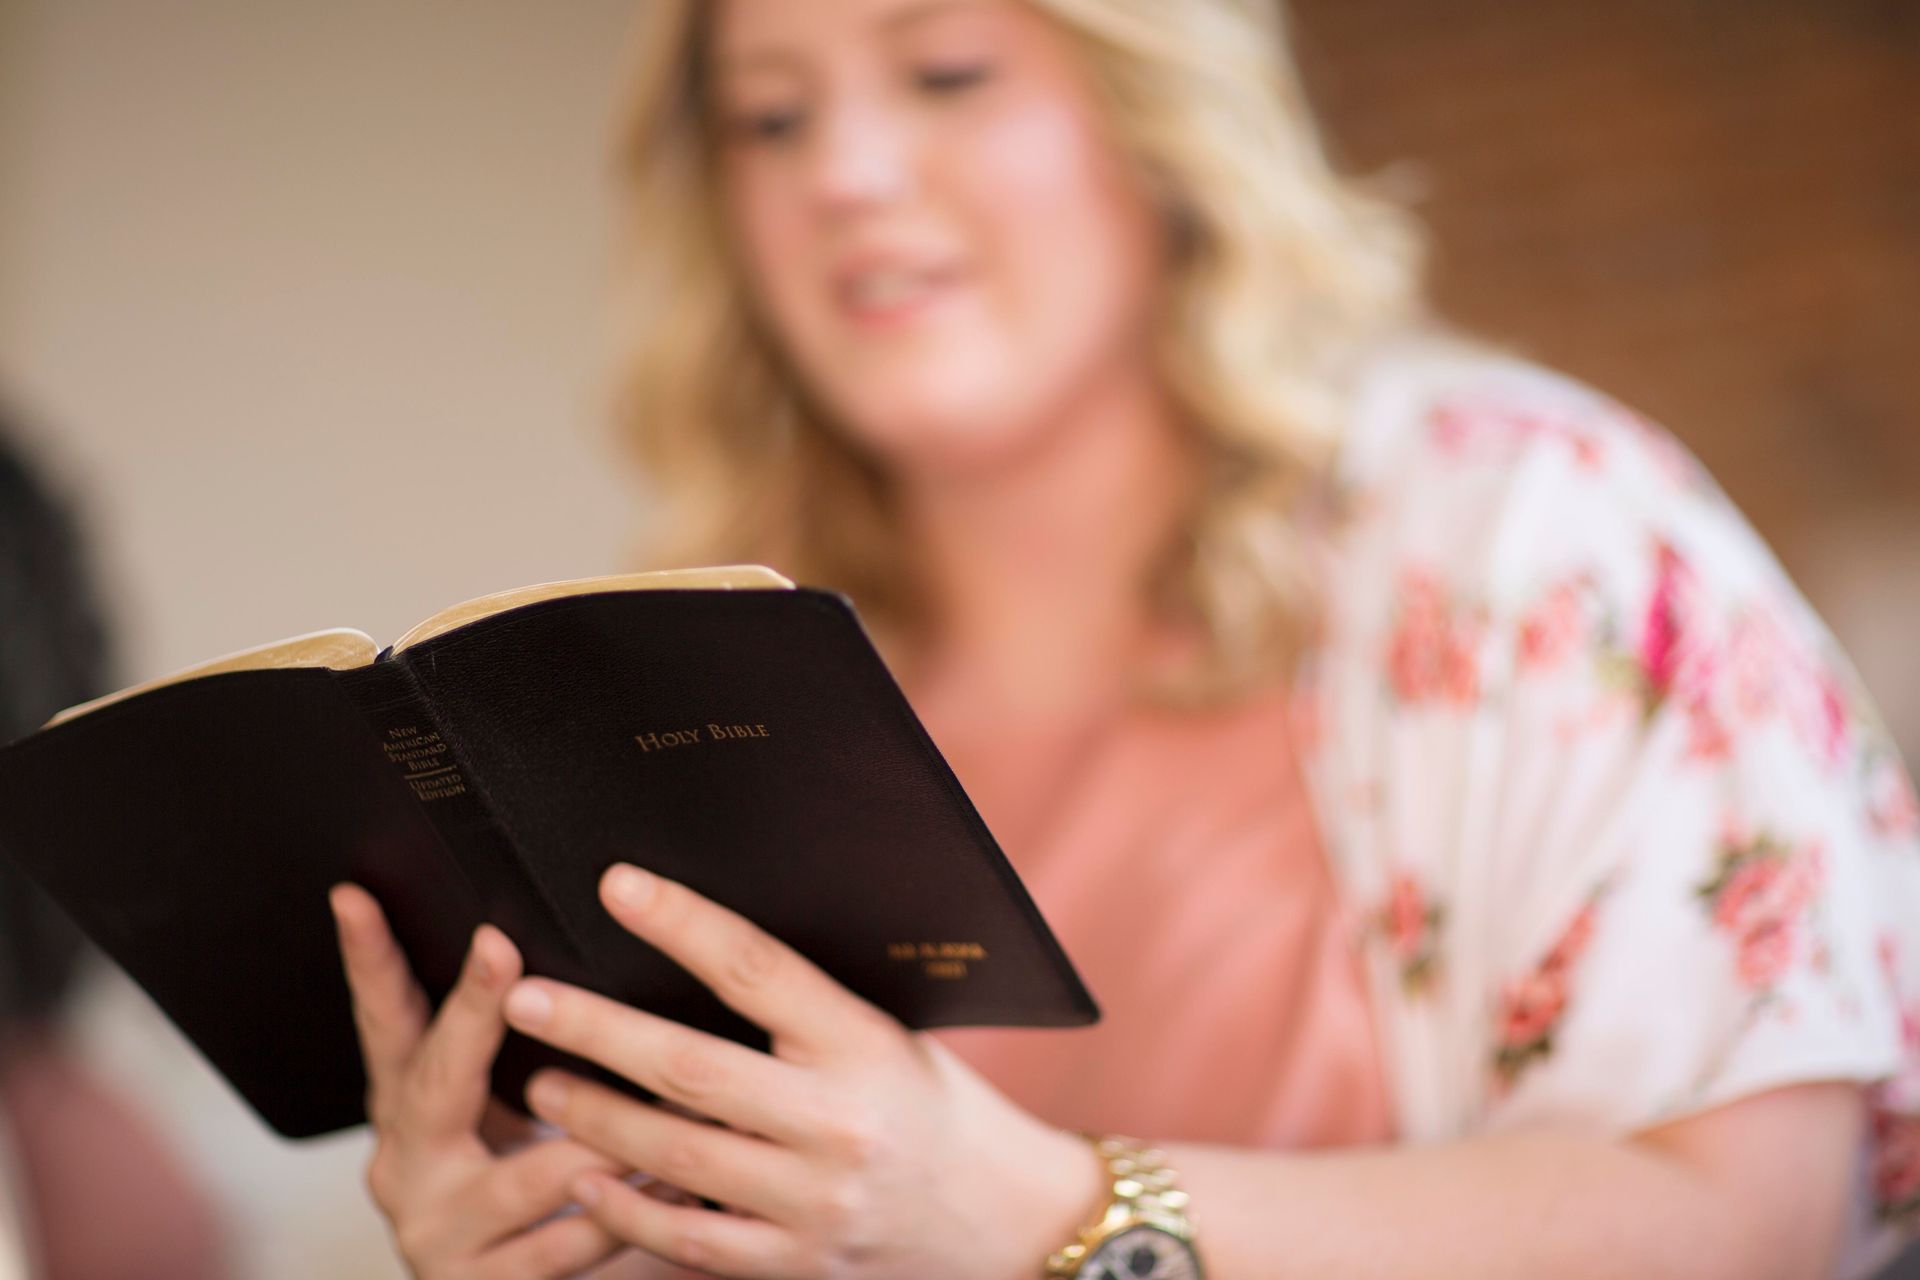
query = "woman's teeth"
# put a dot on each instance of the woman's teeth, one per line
(887, 289)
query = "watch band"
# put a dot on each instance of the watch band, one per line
(1144, 1193)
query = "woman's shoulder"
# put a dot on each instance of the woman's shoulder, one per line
(1492, 478)
(1519, 544)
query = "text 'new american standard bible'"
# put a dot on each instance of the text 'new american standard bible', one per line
(719, 726)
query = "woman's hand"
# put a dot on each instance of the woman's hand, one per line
(458, 1210)
(855, 1149)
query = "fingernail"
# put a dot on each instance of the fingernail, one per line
(528, 1006)
(629, 885)
(482, 971)
(586, 1190)
(547, 1095)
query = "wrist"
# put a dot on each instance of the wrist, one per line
(1142, 1230)
(1061, 1186)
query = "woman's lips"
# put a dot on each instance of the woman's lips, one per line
(890, 298)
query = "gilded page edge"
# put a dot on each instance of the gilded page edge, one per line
(730, 577)
(341, 648)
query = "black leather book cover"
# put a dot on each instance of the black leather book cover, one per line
(749, 743)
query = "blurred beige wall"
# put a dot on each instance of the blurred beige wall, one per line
(304, 299)
(306, 293)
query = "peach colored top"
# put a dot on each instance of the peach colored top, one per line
(1182, 872)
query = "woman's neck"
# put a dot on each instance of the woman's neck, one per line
(1034, 569)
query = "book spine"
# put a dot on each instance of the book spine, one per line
(427, 756)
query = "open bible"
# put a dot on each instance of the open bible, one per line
(719, 726)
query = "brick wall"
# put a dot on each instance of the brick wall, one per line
(1711, 210)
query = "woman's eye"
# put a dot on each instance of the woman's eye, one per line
(952, 79)
(767, 126)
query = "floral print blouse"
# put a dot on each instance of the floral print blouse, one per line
(1628, 837)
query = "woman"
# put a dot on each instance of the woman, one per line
(1465, 827)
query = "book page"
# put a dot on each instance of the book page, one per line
(343, 648)
(338, 647)
(732, 577)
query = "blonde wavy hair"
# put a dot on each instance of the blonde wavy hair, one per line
(1280, 270)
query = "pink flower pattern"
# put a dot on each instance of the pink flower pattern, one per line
(1556, 627)
(1466, 427)
(1532, 1006)
(1896, 1166)
(1433, 654)
(1604, 622)
(1669, 656)
(1410, 923)
(1758, 895)
(1892, 805)
(1889, 955)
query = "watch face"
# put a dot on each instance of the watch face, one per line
(1142, 1253)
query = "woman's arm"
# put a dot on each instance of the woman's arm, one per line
(1750, 1190)
(861, 1151)
(1753, 1189)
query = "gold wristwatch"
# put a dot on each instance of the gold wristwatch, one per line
(1143, 1233)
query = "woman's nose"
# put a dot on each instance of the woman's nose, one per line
(863, 156)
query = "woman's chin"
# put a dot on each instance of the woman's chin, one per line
(947, 451)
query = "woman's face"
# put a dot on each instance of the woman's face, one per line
(933, 219)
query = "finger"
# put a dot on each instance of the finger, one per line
(712, 1076)
(723, 1244)
(555, 1249)
(389, 1009)
(809, 1015)
(517, 1191)
(447, 1082)
(705, 1159)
